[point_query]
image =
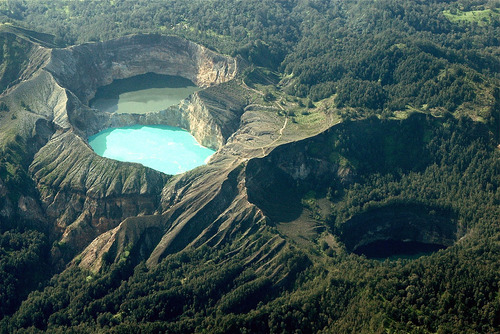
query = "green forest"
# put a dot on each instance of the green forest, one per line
(417, 86)
(383, 55)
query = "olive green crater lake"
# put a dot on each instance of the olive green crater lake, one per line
(167, 149)
(141, 94)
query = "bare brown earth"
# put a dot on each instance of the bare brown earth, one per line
(99, 209)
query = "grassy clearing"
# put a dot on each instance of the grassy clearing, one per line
(481, 17)
(310, 118)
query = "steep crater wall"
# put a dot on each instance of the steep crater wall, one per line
(277, 182)
(335, 158)
(82, 69)
(82, 194)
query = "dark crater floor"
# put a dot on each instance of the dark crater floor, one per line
(399, 230)
(381, 249)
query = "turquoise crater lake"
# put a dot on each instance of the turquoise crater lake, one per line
(167, 149)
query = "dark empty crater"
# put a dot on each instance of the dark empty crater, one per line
(396, 248)
(399, 230)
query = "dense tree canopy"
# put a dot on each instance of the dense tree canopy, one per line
(404, 52)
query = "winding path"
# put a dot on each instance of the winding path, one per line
(278, 104)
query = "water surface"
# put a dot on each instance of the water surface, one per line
(141, 94)
(167, 149)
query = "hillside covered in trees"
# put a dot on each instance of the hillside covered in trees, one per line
(415, 87)
(383, 55)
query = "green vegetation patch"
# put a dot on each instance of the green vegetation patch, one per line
(309, 117)
(481, 17)
(13, 171)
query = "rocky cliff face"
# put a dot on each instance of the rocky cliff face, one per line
(83, 194)
(224, 201)
(211, 115)
(83, 68)
(86, 195)
(106, 210)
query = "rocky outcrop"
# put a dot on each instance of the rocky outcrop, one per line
(86, 195)
(206, 207)
(84, 68)
(117, 243)
(110, 210)
(42, 96)
(211, 205)
(83, 194)
(211, 115)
